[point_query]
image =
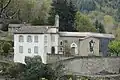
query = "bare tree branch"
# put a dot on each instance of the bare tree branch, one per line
(6, 5)
(14, 14)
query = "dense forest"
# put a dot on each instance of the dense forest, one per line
(75, 15)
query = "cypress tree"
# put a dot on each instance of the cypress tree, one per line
(66, 12)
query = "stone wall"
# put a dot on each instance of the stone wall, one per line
(93, 65)
(58, 57)
(89, 65)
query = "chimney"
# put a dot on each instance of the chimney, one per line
(57, 20)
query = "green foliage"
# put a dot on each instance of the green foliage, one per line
(118, 15)
(37, 21)
(13, 70)
(28, 10)
(114, 47)
(83, 23)
(42, 12)
(34, 69)
(117, 33)
(108, 19)
(6, 47)
(99, 27)
(86, 5)
(66, 11)
(108, 23)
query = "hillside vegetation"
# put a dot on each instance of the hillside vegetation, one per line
(100, 15)
(106, 12)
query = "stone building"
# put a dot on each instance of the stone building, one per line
(44, 40)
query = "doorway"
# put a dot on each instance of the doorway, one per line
(74, 49)
(52, 50)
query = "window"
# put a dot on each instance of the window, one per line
(29, 50)
(20, 49)
(53, 50)
(61, 49)
(21, 38)
(53, 38)
(45, 40)
(61, 43)
(35, 38)
(36, 49)
(29, 39)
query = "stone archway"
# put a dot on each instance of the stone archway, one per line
(74, 49)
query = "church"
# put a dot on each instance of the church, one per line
(48, 40)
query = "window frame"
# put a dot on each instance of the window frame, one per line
(36, 39)
(20, 49)
(61, 42)
(53, 38)
(21, 38)
(61, 49)
(29, 50)
(36, 49)
(45, 39)
(29, 38)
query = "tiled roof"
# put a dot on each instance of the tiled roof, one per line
(84, 34)
(32, 29)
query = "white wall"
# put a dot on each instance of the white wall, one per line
(51, 43)
(26, 45)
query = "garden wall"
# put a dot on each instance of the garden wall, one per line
(89, 65)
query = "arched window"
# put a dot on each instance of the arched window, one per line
(29, 38)
(61, 43)
(21, 38)
(73, 45)
(74, 48)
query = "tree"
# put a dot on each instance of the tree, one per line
(34, 70)
(114, 47)
(42, 8)
(83, 24)
(117, 33)
(6, 47)
(108, 23)
(14, 70)
(18, 11)
(99, 27)
(4, 16)
(66, 11)
(87, 5)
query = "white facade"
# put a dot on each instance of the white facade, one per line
(28, 45)
(44, 44)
